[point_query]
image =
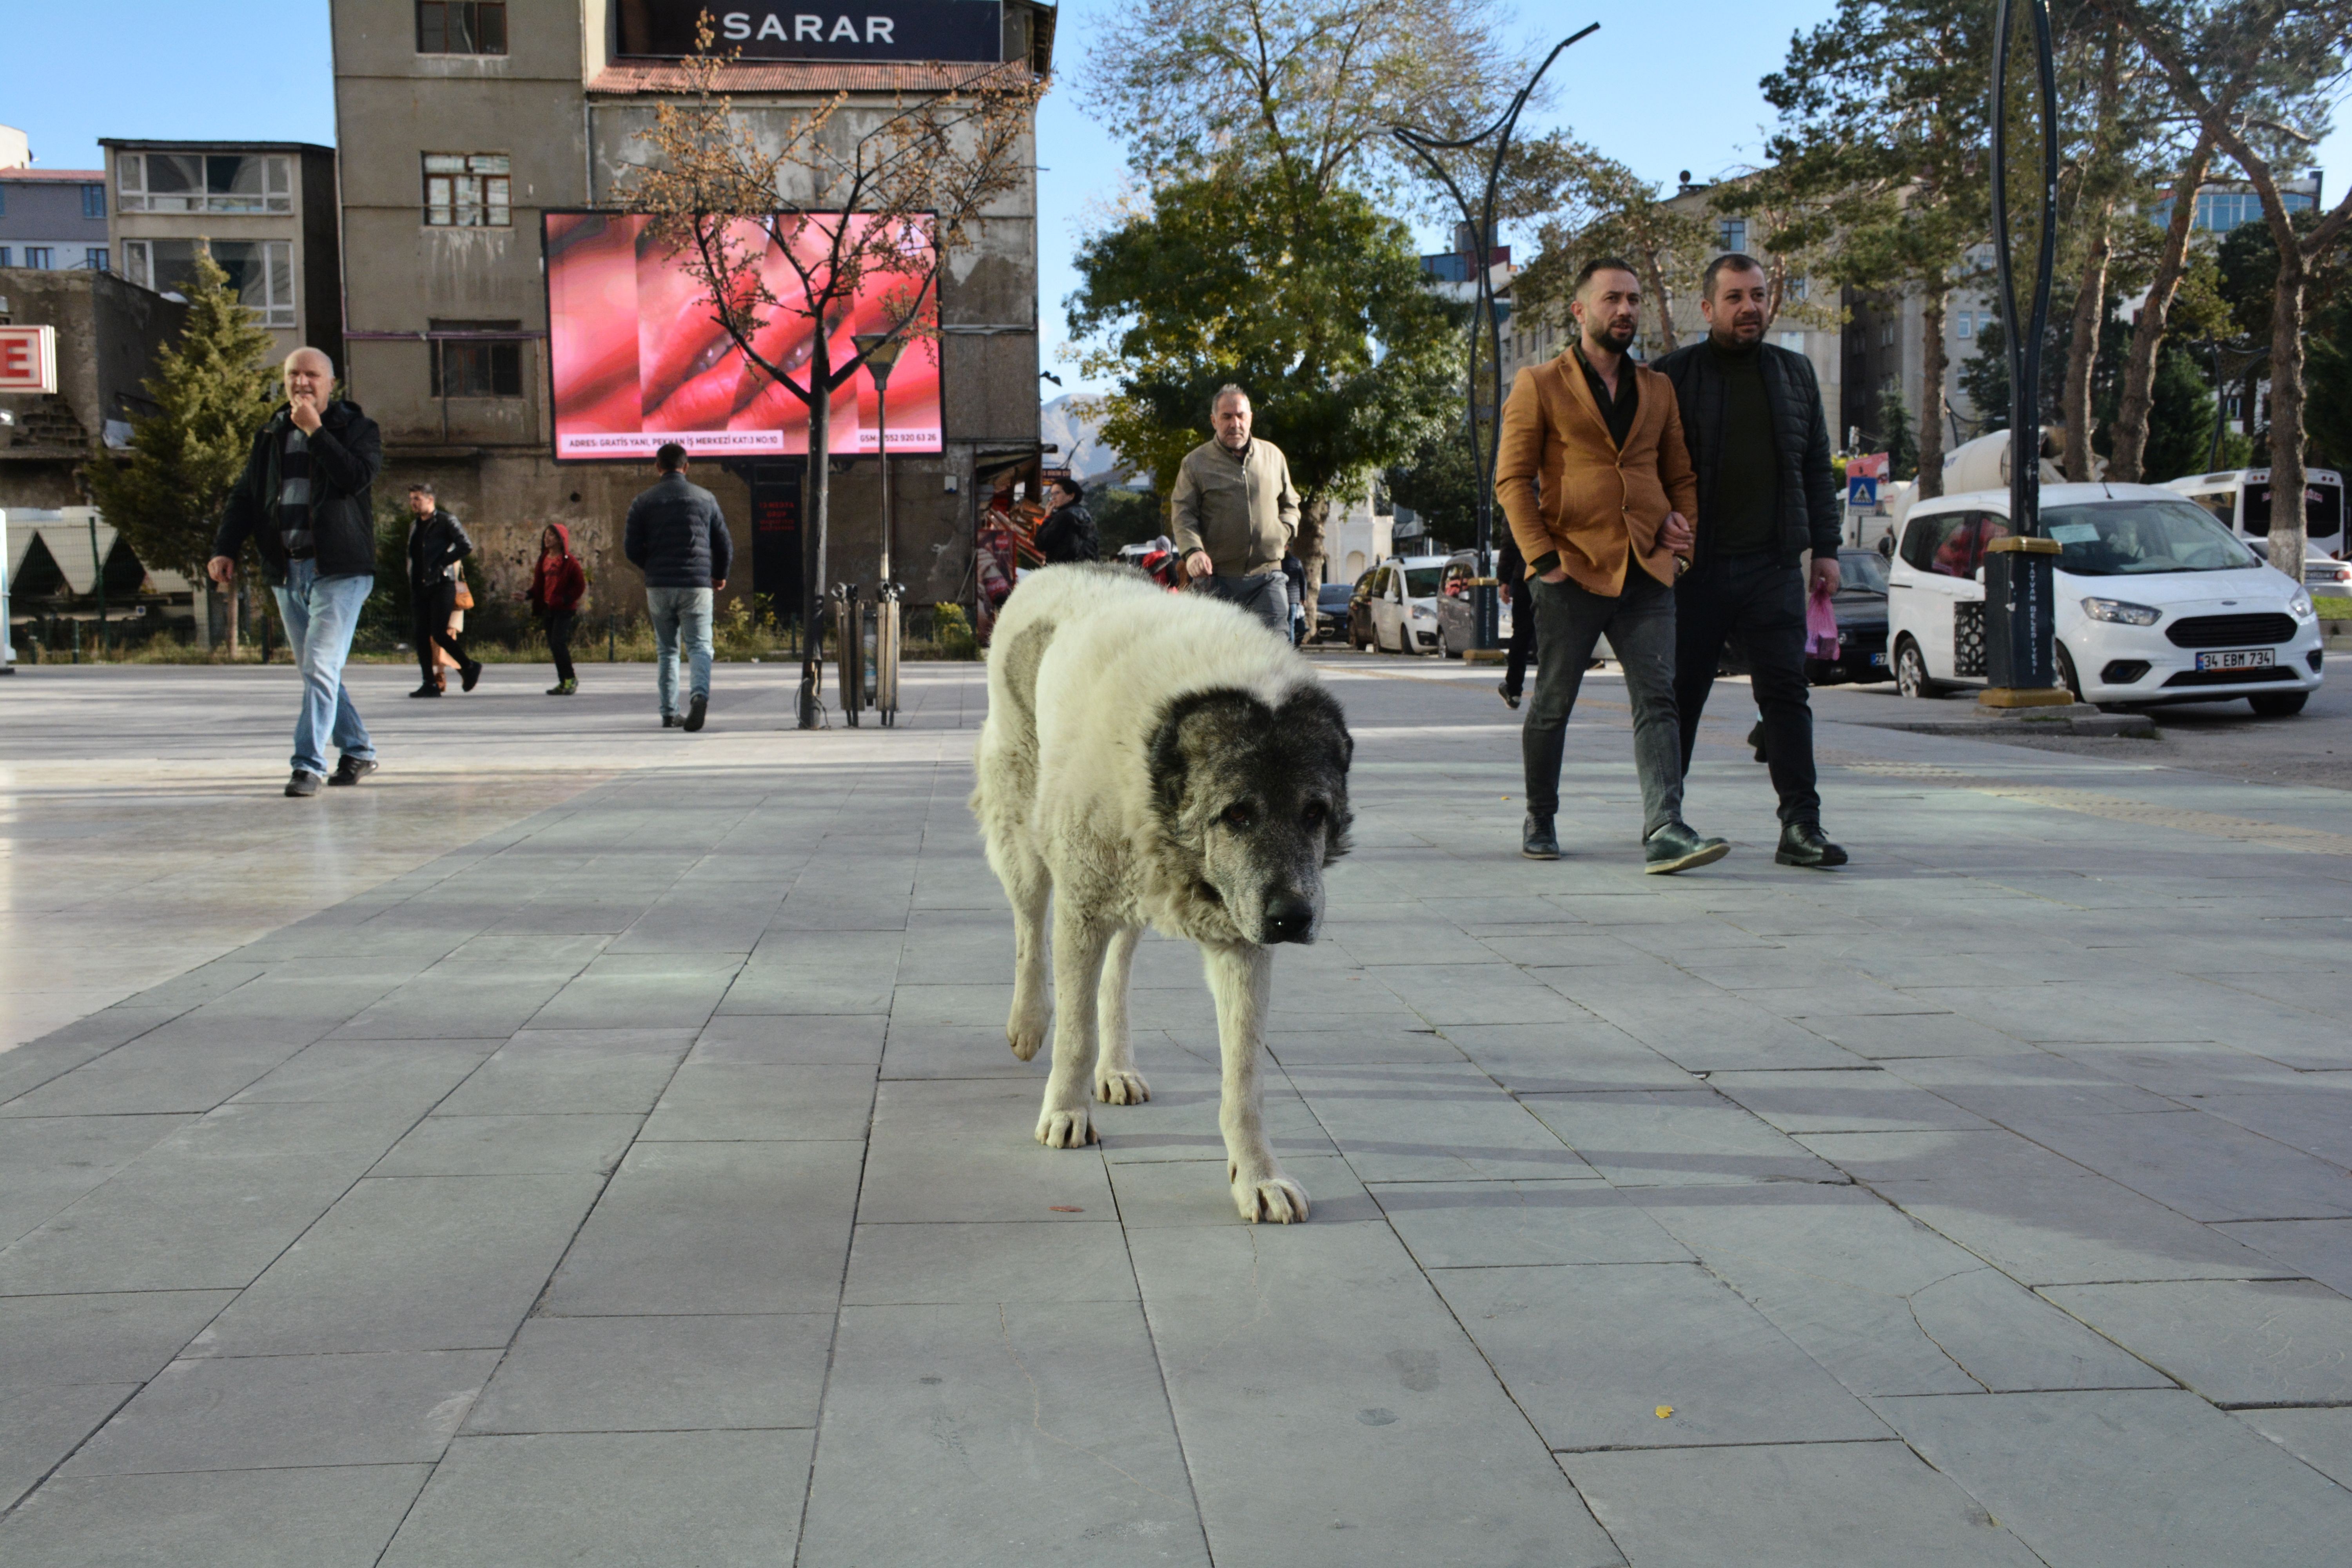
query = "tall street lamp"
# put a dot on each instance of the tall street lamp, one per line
(881, 351)
(1484, 317)
(2021, 666)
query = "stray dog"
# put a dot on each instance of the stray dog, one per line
(1160, 760)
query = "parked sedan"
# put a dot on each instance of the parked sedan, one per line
(1332, 601)
(1359, 611)
(2156, 603)
(1861, 607)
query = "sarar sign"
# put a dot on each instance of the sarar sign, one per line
(820, 29)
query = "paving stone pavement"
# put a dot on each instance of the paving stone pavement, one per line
(585, 1144)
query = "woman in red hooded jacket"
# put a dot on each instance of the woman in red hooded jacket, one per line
(558, 583)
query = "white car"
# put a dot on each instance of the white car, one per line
(1404, 603)
(2157, 601)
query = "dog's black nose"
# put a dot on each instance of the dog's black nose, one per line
(1289, 919)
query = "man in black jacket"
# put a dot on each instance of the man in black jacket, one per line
(1752, 414)
(1069, 531)
(678, 537)
(436, 543)
(305, 500)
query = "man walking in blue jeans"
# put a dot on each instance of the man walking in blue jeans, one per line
(305, 500)
(678, 538)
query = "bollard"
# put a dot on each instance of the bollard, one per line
(612, 637)
(2019, 603)
(849, 650)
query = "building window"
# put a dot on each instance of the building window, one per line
(40, 258)
(5, 259)
(461, 26)
(1733, 232)
(1797, 287)
(93, 202)
(467, 190)
(487, 368)
(1964, 324)
(95, 258)
(203, 181)
(261, 272)
(1793, 341)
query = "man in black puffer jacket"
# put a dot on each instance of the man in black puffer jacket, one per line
(1761, 444)
(306, 499)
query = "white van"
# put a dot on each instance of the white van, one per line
(2156, 601)
(2240, 498)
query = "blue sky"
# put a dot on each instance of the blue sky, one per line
(1664, 87)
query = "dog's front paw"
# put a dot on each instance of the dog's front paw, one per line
(1066, 1128)
(1270, 1196)
(1025, 1030)
(1121, 1088)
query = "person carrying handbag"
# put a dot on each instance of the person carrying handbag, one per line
(436, 543)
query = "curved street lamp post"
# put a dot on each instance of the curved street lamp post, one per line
(1480, 221)
(2020, 665)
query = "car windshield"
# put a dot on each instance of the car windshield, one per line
(2132, 537)
(1421, 582)
(1861, 570)
(1334, 593)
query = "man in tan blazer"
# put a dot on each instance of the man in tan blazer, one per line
(1598, 487)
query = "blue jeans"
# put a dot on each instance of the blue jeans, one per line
(320, 614)
(680, 613)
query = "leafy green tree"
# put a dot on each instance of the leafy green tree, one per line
(2260, 77)
(211, 388)
(1903, 458)
(1125, 515)
(2329, 342)
(2180, 419)
(1622, 215)
(1439, 480)
(1882, 138)
(1317, 310)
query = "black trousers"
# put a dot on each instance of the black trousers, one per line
(1523, 635)
(1760, 600)
(559, 624)
(435, 606)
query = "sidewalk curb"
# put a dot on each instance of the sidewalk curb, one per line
(2081, 719)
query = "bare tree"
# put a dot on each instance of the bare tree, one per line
(2249, 71)
(2126, 463)
(1309, 87)
(787, 218)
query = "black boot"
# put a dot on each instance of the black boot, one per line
(1537, 839)
(1801, 844)
(1676, 847)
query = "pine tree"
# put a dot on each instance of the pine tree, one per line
(212, 390)
(1902, 441)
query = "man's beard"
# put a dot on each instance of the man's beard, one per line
(1615, 339)
(1742, 333)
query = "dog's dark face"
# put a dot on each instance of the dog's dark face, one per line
(1256, 799)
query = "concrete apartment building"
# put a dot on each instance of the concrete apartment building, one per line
(51, 220)
(463, 124)
(265, 210)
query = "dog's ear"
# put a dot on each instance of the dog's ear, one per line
(1313, 724)
(1190, 728)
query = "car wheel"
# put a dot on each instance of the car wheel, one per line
(2279, 704)
(1441, 652)
(2066, 676)
(1911, 671)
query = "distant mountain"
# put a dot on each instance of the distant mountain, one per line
(1064, 425)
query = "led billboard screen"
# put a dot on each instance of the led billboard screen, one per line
(638, 360)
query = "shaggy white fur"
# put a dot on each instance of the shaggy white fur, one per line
(1084, 667)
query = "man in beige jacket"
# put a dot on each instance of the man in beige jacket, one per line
(1593, 475)
(1235, 514)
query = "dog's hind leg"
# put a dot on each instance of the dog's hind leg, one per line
(1116, 1080)
(1081, 938)
(1241, 977)
(1029, 887)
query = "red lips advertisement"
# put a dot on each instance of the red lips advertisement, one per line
(638, 359)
